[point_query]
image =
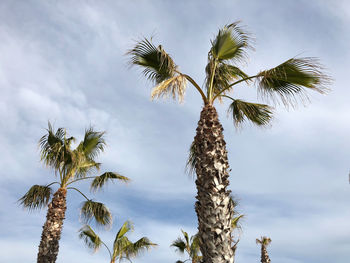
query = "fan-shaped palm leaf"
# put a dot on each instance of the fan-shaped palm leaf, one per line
(231, 43)
(91, 239)
(289, 80)
(179, 245)
(135, 249)
(37, 197)
(93, 143)
(224, 75)
(259, 114)
(101, 180)
(158, 65)
(95, 210)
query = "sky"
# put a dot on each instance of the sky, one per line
(64, 62)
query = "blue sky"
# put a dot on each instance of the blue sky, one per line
(64, 61)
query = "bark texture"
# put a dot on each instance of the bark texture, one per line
(264, 256)
(213, 208)
(49, 244)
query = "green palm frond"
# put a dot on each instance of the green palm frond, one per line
(125, 228)
(290, 80)
(55, 148)
(85, 167)
(191, 160)
(91, 239)
(258, 114)
(158, 65)
(194, 248)
(231, 43)
(37, 197)
(174, 87)
(235, 222)
(135, 249)
(93, 143)
(224, 75)
(179, 245)
(101, 180)
(95, 210)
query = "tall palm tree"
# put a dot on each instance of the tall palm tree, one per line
(264, 242)
(287, 81)
(123, 248)
(70, 166)
(189, 245)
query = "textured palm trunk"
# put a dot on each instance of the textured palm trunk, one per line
(48, 248)
(264, 256)
(213, 208)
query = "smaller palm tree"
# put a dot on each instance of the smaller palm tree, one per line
(188, 245)
(70, 166)
(123, 248)
(264, 242)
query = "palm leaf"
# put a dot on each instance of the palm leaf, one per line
(235, 222)
(191, 160)
(101, 180)
(290, 80)
(37, 197)
(174, 87)
(135, 249)
(91, 239)
(179, 244)
(224, 75)
(93, 143)
(158, 65)
(231, 43)
(265, 241)
(259, 114)
(95, 210)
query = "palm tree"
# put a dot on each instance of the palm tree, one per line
(188, 245)
(264, 241)
(123, 248)
(287, 81)
(70, 166)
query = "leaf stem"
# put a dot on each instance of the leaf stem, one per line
(78, 192)
(79, 179)
(205, 100)
(234, 83)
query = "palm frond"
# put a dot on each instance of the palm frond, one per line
(85, 167)
(291, 79)
(135, 249)
(95, 210)
(93, 143)
(191, 160)
(37, 197)
(158, 65)
(101, 180)
(231, 43)
(174, 86)
(179, 245)
(235, 222)
(194, 248)
(225, 74)
(258, 114)
(90, 238)
(125, 228)
(55, 148)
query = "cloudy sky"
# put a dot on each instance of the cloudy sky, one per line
(63, 61)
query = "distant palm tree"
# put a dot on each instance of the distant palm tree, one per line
(70, 166)
(123, 248)
(288, 80)
(188, 245)
(264, 242)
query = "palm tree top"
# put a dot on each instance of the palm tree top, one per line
(287, 83)
(265, 241)
(122, 248)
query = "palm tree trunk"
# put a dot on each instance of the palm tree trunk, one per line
(213, 208)
(48, 248)
(264, 256)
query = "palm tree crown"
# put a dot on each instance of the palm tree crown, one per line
(187, 244)
(123, 248)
